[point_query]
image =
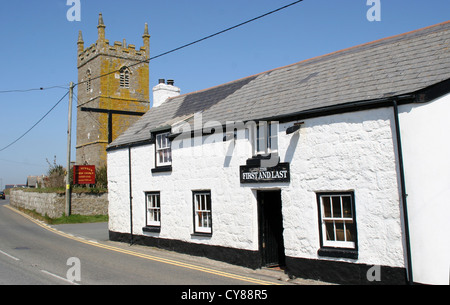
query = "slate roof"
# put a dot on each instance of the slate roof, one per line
(392, 66)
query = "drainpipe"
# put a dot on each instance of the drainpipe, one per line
(404, 195)
(131, 195)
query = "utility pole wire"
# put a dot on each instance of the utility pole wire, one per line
(162, 54)
(40, 120)
(197, 41)
(226, 30)
(140, 62)
(32, 89)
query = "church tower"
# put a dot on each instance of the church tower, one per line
(113, 92)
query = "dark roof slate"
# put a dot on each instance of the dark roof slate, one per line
(392, 66)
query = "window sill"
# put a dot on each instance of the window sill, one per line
(162, 169)
(151, 229)
(201, 234)
(338, 253)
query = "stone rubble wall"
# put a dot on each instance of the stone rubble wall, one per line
(53, 204)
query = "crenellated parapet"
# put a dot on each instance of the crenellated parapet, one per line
(119, 49)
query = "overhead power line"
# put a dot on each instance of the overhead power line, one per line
(32, 127)
(162, 54)
(226, 30)
(199, 40)
(32, 89)
(139, 62)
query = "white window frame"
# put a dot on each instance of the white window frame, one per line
(265, 138)
(163, 149)
(202, 212)
(337, 219)
(153, 209)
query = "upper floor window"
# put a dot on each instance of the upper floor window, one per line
(125, 77)
(163, 149)
(265, 138)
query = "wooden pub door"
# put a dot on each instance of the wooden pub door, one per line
(271, 243)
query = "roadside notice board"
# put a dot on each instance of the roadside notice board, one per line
(84, 174)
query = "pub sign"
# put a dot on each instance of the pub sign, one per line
(252, 174)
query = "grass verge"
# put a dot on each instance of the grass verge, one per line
(71, 219)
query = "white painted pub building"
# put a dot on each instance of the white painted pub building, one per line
(330, 167)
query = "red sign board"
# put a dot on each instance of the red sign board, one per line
(84, 174)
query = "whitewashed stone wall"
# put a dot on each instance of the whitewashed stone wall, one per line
(118, 191)
(426, 150)
(353, 151)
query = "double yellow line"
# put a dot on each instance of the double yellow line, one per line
(146, 256)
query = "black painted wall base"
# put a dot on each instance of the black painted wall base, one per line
(322, 270)
(345, 273)
(245, 258)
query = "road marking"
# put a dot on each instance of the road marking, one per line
(146, 256)
(10, 256)
(59, 277)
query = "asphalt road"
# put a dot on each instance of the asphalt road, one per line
(32, 253)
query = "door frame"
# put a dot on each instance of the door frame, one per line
(276, 225)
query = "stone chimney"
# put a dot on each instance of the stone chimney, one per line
(163, 91)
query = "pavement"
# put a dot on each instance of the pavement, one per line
(98, 232)
(93, 231)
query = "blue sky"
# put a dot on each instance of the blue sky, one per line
(39, 50)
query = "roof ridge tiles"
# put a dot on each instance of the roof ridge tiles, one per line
(421, 30)
(386, 67)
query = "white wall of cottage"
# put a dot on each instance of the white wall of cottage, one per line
(426, 149)
(352, 151)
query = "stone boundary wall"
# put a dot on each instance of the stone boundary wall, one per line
(53, 204)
